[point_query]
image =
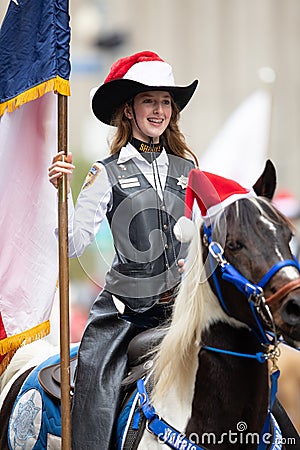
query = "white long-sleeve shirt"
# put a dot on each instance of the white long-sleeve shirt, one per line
(95, 197)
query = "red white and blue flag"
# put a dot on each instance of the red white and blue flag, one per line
(35, 63)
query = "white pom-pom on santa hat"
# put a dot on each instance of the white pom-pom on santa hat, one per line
(184, 229)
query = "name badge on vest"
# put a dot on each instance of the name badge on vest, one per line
(129, 182)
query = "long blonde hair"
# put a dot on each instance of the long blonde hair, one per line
(174, 140)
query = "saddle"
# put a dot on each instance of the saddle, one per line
(139, 355)
(50, 378)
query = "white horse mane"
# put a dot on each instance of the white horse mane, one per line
(195, 309)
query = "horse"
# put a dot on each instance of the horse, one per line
(239, 297)
(206, 384)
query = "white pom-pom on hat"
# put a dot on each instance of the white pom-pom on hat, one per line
(184, 229)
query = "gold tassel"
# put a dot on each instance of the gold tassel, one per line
(57, 84)
(6, 360)
(26, 337)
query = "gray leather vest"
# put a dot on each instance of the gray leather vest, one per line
(145, 263)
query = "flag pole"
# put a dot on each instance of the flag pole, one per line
(64, 278)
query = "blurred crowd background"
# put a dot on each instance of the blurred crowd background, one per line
(234, 47)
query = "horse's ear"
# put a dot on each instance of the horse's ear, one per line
(266, 184)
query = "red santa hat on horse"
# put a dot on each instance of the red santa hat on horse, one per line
(212, 193)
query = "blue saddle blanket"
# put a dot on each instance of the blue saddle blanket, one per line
(35, 422)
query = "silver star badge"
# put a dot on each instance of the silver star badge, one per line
(182, 181)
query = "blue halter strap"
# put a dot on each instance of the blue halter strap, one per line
(253, 292)
(279, 265)
(255, 296)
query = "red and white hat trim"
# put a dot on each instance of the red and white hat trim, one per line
(215, 209)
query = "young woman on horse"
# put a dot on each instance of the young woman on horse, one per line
(140, 188)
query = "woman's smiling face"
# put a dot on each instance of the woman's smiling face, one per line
(151, 116)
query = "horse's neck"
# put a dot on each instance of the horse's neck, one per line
(229, 389)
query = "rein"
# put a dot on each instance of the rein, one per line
(282, 292)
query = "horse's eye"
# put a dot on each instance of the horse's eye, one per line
(234, 245)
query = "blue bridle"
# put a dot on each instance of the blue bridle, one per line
(253, 292)
(256, 300)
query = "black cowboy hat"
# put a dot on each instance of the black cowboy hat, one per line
(144, 71)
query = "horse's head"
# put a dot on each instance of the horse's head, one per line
(255, 238)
